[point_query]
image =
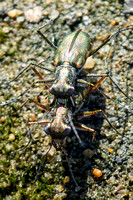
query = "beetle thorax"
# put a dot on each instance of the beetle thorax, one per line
(64, 81)
(59, 126)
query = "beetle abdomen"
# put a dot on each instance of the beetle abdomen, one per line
(74, 50)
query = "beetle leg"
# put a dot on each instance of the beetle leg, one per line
(89, 113)
(32, 66)
(38, 104)
(21, 94)
(104, 95)
(49, 80)
(69, 166)
(71, 172)
(39, 123)
(44, 37)
(43, 160)
(74, 129)
(88, 91)
(108, 39)
(83, 127)
(108, 75)
(29, 132)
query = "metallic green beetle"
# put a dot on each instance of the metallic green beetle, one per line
(69, 59)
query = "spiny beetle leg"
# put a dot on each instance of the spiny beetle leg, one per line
(30, 131)
(71, 172)
(96, 85)
(104, 95)
(88, 91)
(21, 94)
(39, 123)
(44, 37)
(107, 75)
(85, 128)
(43, 160)
(69, 166)
(40, 77)
(89, 113)
(38, 104)
(32, 66)
(74, 130)
(109, 38)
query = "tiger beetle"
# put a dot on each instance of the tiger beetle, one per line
(62, 120)
(69, 60)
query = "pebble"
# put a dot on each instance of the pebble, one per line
(130, 177)
(47, 175)
(48, 2)
(86, 20)
(20, 19)
(118, 188)
(66, 179)
(110, 150)
(2, 119)
(14, 13)
(113, 23)
(11, 137)
(112, 180)
(6, 29)
(34, 15)
(52, 151)
(47, 140)
(59, 196)
(9, 147)
(59, 188)
(90, 63)
(54, 14)
(97, 173)
(88, 153)
(32, 117)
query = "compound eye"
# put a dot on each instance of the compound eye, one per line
(67, 131)
(67, 90)
(70, 91)
(52, 90)
(58, 135)
(47, 129)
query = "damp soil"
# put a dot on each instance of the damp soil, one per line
(111, 151)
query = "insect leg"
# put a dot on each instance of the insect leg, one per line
(29, 132)
(71, 172)
(39, 123)
(44, 37)
(108, 39)
(74, 129)
(43, 160)
(91, 84)
(89, 113)
(88, 91)
(21, 94)
(38, 104)
(32, 66)
(83, 127)
(108, 75)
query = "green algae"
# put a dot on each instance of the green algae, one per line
(3, 36)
